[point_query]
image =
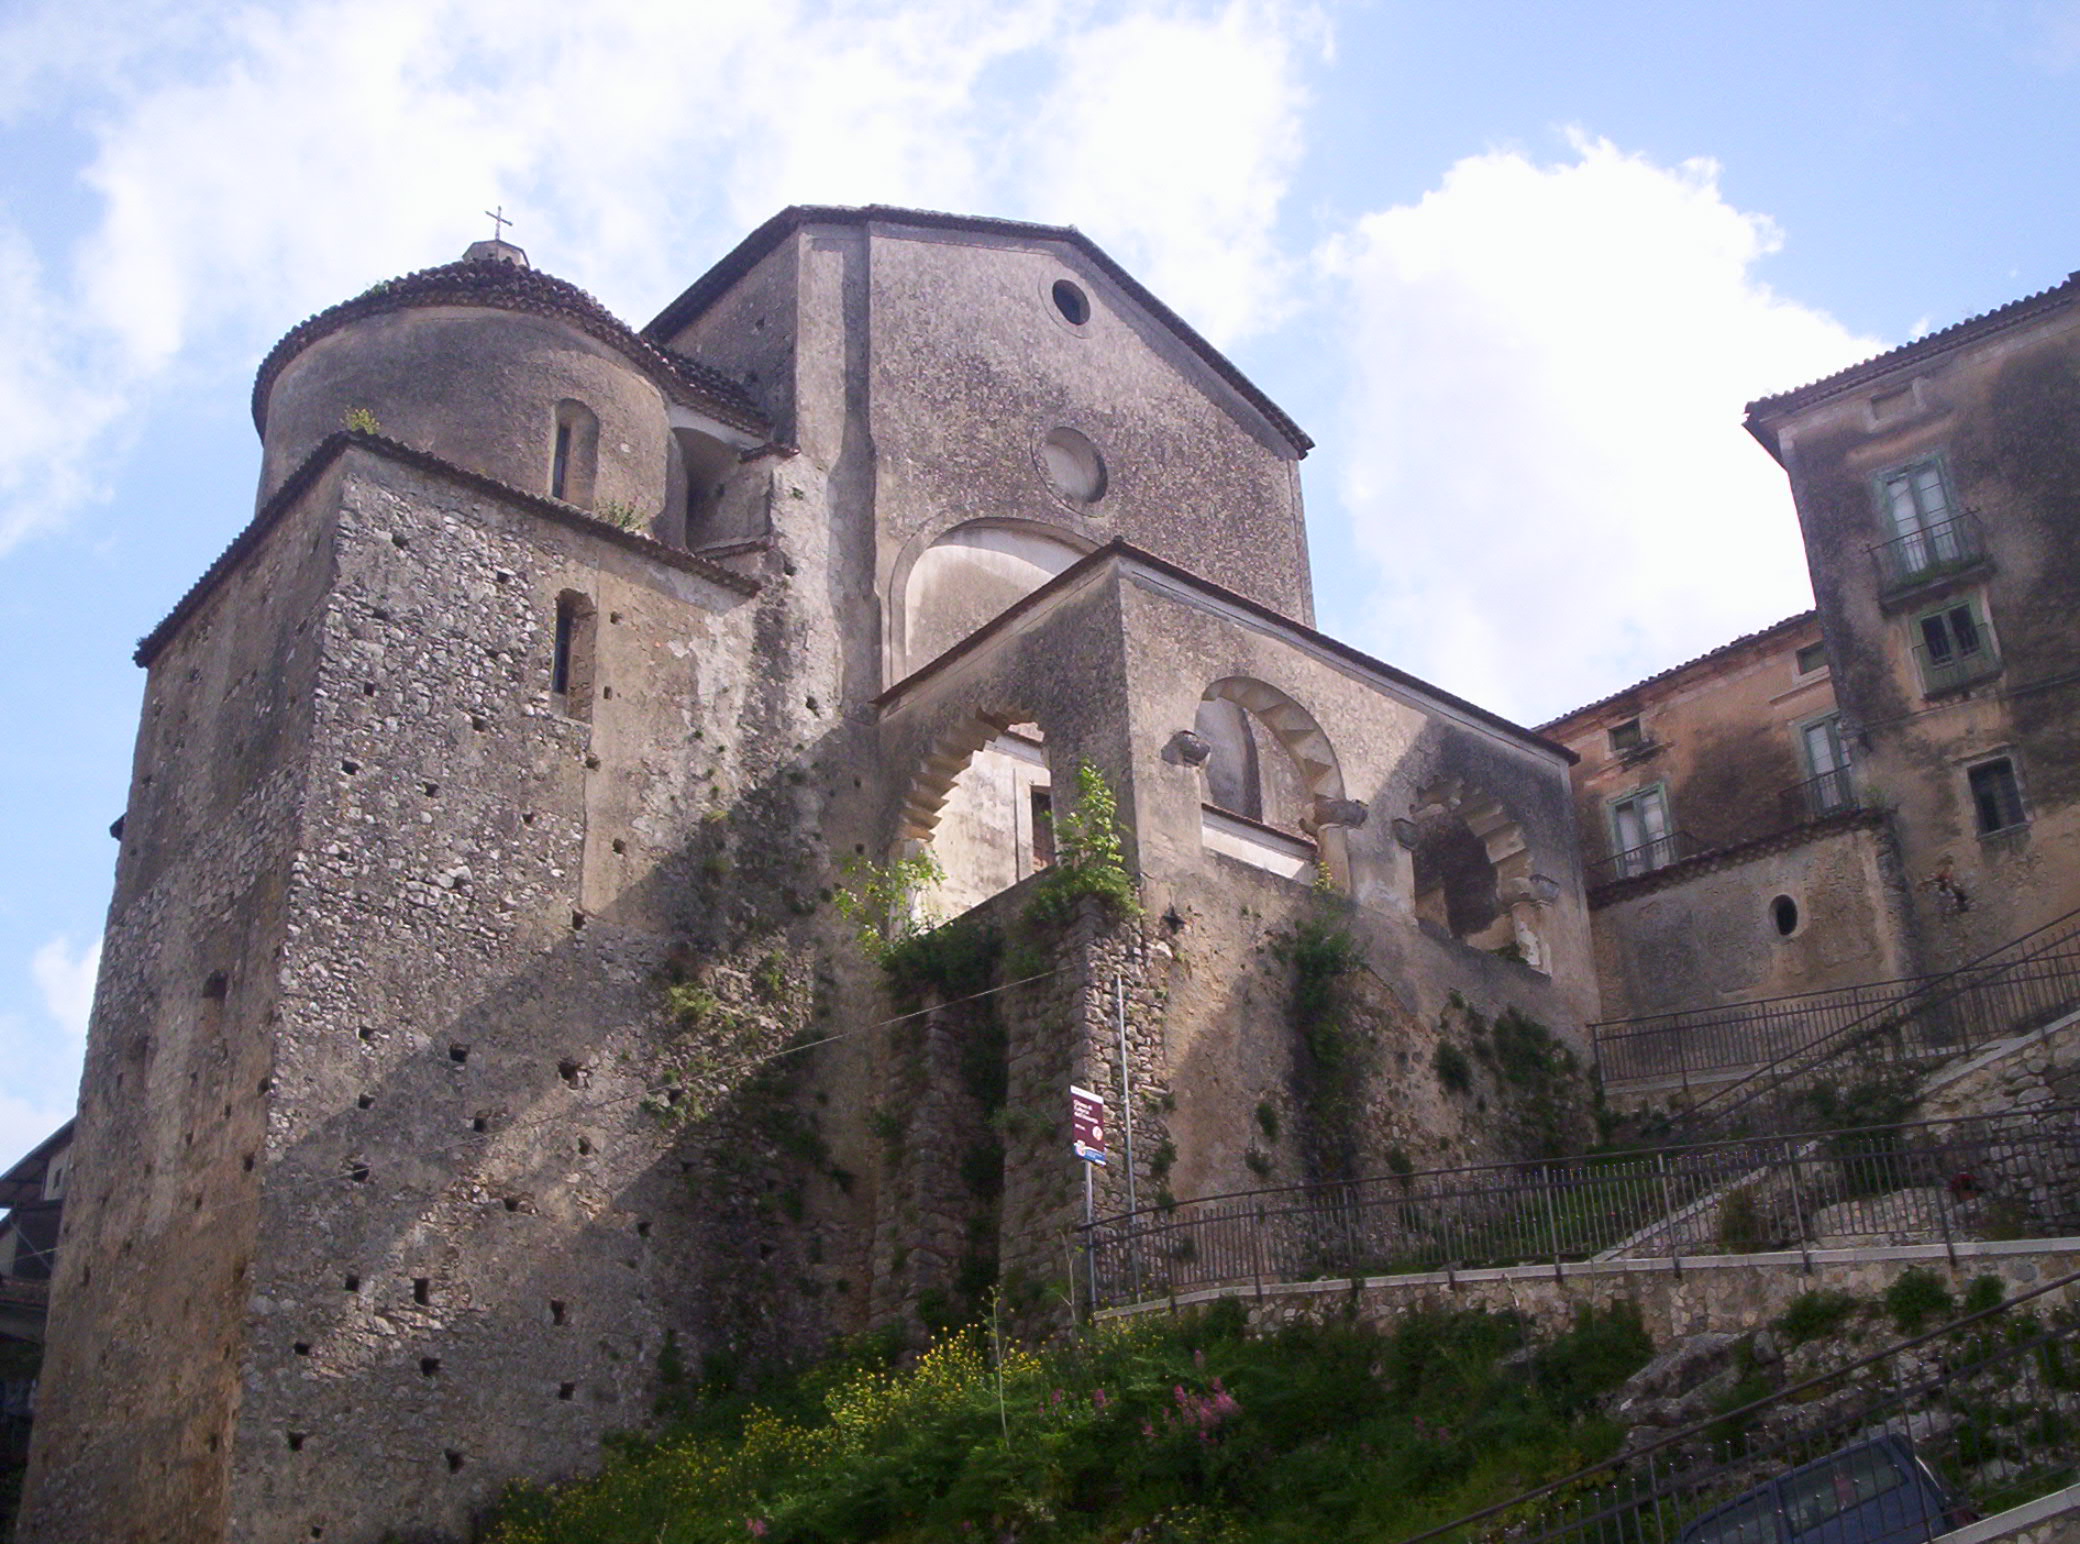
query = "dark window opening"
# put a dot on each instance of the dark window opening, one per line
(422, 1290)
(1070, 300)
(1043, 828)
(1996, 796)
(560, 466)
(1784, 912)
(570, 664)
(1811, 658)
(1627, 736)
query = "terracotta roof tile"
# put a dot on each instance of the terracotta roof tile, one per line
(1709, 655)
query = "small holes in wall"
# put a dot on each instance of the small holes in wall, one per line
(399, 540)
(577, 920)
(566, 1391)
(620, 845)
(584, 1147)
(643, 1228)
(592, 763)
(216, 986)
(350, 766)
(433, 790)
(303, 1348)
(429, 1366)
(458, 1054)
(573, 1073)
(357, 1172)
(366, 1032)
(480, 1123)
(296, 1441)
(264, 1085)
(246, 1163)
(1783, 911)
(556, 1310)
(605, 693)
(368, 688)
(366, 1101)
(479, 722)
(512, 1203)
(454, 1461)
(422, 1290)
(352, 1282)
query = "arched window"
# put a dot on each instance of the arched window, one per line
(968, 577)
(574, 453)
(1268, 763)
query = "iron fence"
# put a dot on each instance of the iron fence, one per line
(2014, 1175)
(2023, 985)
(1644, 859)
(1828, 793)
(1706, 1042)
(1970, 1420)
(1933, 550)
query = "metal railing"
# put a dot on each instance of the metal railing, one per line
(1990, 1403)
(1932, 551)
(1828, 793)
(1708, 1043)
(2022, 985)
(1957, 668)
(1644, 859)
(2013, 1175)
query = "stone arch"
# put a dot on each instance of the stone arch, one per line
(945, 588)
(1473, 876)
(982, 804)
(1237, 714)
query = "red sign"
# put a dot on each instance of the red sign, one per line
(1087, 1124)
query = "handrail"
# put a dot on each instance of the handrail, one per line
(1853, 1375)
(1865, 1027)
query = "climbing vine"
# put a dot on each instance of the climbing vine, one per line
(1090, 856)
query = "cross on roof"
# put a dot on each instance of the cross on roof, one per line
(499, 222)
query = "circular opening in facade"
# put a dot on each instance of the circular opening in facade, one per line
(1073, 465)
(1784, 912)
(1072, 302)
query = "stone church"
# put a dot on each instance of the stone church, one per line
(482, 1044)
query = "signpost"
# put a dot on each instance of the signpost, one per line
(1087, 1136)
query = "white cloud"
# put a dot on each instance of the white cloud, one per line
(254, 164)
(66, 981)
(1549, 364)
(24, 1123)
(1172, 137)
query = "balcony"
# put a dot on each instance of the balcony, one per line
(1830, 793)
(1955, 668)
(1643, 859)
(1932, 554)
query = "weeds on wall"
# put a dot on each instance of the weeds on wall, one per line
(1335, 1054)
(1090, 857)
(620, 514)
(885, 903)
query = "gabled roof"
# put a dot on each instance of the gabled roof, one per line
(749, 252)
(1732, 646)
(23, 1181)
(492, 282)
(1970, 330)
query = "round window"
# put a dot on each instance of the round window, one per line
(1073, 465)
(1784, 912)
(1072, 302)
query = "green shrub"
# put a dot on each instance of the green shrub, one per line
(1454, 1071)
(1741, 1229)
(1816, 1315)
(1985, 1292)
(1914, 1299)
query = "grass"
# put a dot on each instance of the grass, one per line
(1183, 1428)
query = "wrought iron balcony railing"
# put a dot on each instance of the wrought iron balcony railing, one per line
(1644, 859)
(1830, 793)
(1930, 552)
(1956, 668)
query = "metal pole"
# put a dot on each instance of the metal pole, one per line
(1090, 1237)
(1126, 1083)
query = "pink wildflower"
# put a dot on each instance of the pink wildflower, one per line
(1098, 1398)
(757, 1525)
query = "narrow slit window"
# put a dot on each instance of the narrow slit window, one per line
(571, 657)
(560, 467)
(574, 453)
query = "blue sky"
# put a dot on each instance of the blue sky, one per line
(1515, 266)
